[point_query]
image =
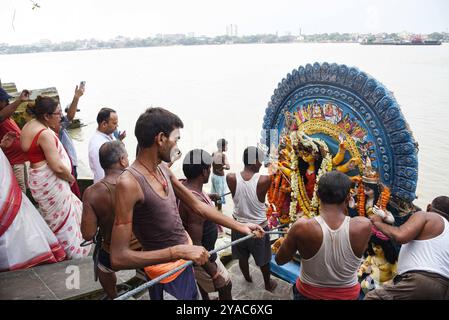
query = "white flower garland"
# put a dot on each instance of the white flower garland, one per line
(326, 166)
(294, 185)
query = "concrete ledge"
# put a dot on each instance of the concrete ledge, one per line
(57, 281)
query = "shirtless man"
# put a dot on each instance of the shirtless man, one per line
(146, 204)
(219, 165)
(99, 211)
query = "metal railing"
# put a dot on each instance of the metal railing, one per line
(156, 280)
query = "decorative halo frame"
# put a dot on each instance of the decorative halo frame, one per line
(352, 104)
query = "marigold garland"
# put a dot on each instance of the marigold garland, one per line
(361, 199)
(384, 198)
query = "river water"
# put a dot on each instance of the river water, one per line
(222, 91)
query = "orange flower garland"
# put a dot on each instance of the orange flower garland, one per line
(277, 194)
(277, 184)
(281, 195)
(273, 195)
(271, 190)
(384, 198)
(361, 199)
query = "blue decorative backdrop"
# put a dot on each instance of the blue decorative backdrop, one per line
(368, 103)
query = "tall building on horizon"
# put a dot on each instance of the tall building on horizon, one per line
(232, 30)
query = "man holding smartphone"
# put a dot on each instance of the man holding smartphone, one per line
(107, 120)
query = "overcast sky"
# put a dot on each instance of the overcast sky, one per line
(59, 20)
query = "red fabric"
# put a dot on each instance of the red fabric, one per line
(319, 293)
(35, 153)
(75, 188)
(14, 153)
(57, 254)
(65, 220)
(376, 232)
(310, 185)
(11, 207)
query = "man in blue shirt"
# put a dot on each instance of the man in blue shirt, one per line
(64, 136)
(65, 123)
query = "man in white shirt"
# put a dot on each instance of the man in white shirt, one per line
(107, 120)
(423, 263)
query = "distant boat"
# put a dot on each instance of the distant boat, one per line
(416, 41)
(404, 43)
(432, 42)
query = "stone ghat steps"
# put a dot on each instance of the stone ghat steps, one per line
(56, 282)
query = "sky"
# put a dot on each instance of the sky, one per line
(64, 20)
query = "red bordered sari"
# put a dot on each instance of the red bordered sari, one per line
(25, 239)
(59, 207)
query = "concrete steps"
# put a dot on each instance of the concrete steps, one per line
(58, 281)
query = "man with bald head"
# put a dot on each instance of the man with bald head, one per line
(99, 212)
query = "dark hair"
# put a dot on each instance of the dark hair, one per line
(110, 153)
(441, 203)
(104, 114)
(333, 187)
(252, 155)
(152, 122)
(42, 105)
(390, 251)
(303, 166)
(195, 162)
(221, 144)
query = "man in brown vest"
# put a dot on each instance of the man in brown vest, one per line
(146, 204)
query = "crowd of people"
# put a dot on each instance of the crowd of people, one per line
(142, 216)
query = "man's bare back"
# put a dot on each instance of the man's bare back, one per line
(220, 163)
(97, 200)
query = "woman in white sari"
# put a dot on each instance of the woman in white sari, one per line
(25, 239)
(50, 176)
